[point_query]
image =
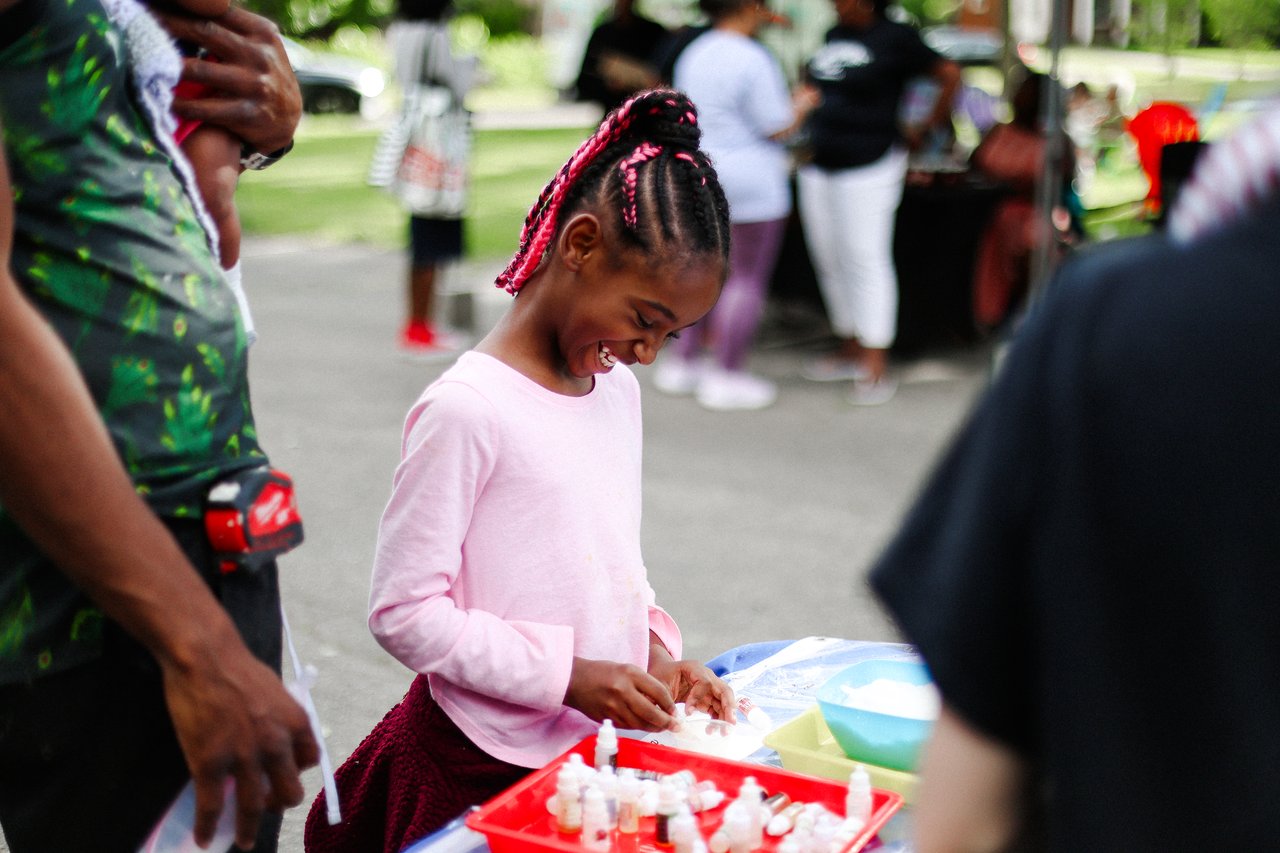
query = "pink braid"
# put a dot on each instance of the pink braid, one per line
(541, 223)
(644, 152)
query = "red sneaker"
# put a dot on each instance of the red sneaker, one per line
(416, 334)
(420, 341)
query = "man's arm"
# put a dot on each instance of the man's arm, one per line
(972, 791)
(255, 93)
(62, 481)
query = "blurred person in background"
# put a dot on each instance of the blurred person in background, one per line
(745, 112)
(1090, 574)
(1013, 154)
(849, 192)
(621, 57)
(419, 40)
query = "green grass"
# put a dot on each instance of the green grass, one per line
(319, 191)
(509, 170)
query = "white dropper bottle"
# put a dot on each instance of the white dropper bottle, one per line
(752, 795)
(684, 831)
(628, 802)
(606, 745)
(669, 802)
(857, 802)
(568, 800)
(595, 820)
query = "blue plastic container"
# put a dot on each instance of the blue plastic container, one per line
(876, 738)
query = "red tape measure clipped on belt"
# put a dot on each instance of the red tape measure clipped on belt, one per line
(252, 518)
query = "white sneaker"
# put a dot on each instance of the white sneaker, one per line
(677, 376)
(735, 391)
(873, 393)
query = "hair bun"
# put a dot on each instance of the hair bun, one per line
(664, 117)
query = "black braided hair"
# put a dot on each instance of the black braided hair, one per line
(643, 163)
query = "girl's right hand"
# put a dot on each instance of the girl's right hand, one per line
(625, 694)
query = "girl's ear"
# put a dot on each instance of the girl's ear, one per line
(580, 239)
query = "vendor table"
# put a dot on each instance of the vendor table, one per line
(781, 677)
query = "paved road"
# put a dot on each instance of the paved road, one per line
(757, 526)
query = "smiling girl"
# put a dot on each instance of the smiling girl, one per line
(508, 571)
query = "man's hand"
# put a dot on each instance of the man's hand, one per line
(255, 94)
(234, 718)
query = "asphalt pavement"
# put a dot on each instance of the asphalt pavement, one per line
(757, 525)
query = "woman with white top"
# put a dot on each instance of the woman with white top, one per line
(745, 109)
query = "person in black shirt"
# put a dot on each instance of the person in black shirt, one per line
(1090, 574)
(620, 57)
(850, 191)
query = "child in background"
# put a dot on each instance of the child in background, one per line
(508, 570)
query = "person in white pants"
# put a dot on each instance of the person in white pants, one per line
(848, 220)
(849, 193)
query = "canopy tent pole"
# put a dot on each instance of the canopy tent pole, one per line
(1049, 187)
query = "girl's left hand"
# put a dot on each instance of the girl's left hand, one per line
(690, 682)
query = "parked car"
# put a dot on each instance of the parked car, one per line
(332, 83)
(967, 46)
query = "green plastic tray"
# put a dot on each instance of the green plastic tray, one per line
(806, 745)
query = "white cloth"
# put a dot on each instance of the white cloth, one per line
(236, 282)
(848, 218)
(511, 544)
(742, 100)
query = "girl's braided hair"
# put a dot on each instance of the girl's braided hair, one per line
(644, 164)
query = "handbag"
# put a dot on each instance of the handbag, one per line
(422, 159)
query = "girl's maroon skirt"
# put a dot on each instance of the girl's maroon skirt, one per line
(414, 773)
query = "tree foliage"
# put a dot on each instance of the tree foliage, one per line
(1165, 25)
(320, 19)
(1243, 23)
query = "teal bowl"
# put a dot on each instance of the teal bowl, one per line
(873, 737)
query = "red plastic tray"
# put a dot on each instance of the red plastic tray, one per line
(517, 820)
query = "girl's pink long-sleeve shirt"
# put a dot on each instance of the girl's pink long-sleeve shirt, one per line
(510, 545)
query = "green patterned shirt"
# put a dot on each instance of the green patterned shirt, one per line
(108, 247)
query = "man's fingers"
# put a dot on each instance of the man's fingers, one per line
(286, 783)
(209, 796)
(246, 23)
(225, 36)
(306, 751)
(205, 32)
(250, 803)
(224, 112)
(223, 77)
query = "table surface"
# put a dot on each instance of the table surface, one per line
(781, 678)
